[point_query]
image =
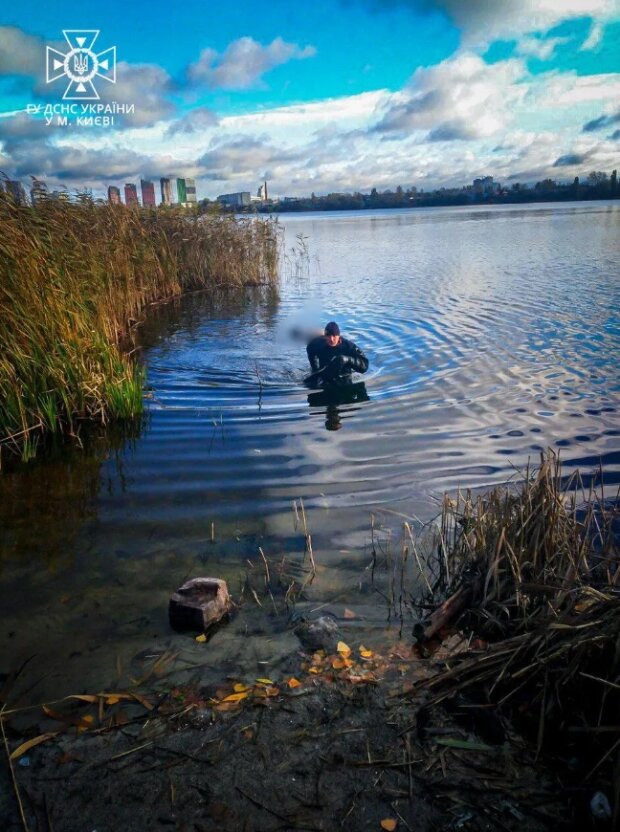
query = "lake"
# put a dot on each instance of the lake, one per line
(492, 333)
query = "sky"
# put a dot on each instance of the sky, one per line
(334, 95)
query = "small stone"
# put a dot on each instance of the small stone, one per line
(322, 634)
(600, 807)
(199, 604)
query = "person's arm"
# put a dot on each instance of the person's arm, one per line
(356, 358)
(313, 357)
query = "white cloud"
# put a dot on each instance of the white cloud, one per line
(594, 37)
(20, 53)
(243, 63)
(568, 88)
(460, 98)
(482, 21)
(536, 47)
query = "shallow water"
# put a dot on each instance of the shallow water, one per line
(492, 333)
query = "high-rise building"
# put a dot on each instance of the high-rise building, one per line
(190, 191)
(181, 188)
(167, 188)
(148, 193)
(131, 195)
(236, 200)
(38, 191)
(16, 190)
(262, 192)
(114, 195)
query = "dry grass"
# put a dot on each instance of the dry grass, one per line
(75, 277)
(542, 564)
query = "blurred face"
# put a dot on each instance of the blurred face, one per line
(332, 340)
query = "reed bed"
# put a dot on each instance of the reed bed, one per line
(75, 278)
(538, 569)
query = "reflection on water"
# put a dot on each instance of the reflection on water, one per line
(336, 399)
(491, 334)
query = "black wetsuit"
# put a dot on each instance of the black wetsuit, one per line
(339, 361)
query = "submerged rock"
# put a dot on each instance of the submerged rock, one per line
(199, 604)
(322, 634)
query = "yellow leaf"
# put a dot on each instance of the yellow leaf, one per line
(343, 648)
(294, 683)
(265, 681)
(338, 663)
(112, 700)
(26, 746)
(236, 697)
(201, 638)
(314, 670)
(389, 824)
(365, 653)
(240, 688)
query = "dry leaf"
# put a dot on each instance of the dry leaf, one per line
(84, 697)
(349, 613)
(389, 824)
(201, 638)
(314, 670)
(239, 687)
(236, 697)
(112, 700)
(294, 683)
(343, 648)
(26, 746)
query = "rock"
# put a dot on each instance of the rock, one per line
(322, 634)
(199, 604)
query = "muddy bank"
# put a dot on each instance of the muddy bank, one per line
(338, 742)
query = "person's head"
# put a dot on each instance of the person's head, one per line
(332, 334)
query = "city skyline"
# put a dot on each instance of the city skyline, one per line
(348, 96)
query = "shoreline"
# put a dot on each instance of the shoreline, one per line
(432, 727)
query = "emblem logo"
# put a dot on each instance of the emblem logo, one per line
(81, 65)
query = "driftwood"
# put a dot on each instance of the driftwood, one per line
(451, 608)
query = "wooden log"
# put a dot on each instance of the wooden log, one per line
(444, 614)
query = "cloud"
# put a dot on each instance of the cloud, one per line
(533, 46)
(568, 89)
(569, 160)
(606, 120)
(482, 21)
(615, 135)
(144, 85)
(245, 158)
(460, 98)
(243, 63)
(20, 53)
(196, 121)
(594, 37)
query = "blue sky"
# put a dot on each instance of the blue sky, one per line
(333, 95)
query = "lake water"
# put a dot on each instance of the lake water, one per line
(492, 333)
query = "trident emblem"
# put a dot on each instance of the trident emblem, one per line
(81, 65)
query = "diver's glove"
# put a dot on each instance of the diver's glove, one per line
(336, 366)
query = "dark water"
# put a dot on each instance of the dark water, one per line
(491, 333)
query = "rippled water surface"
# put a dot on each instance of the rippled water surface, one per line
(491, 333)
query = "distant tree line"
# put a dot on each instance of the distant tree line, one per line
(596, 185)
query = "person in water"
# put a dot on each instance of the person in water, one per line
(333, 358)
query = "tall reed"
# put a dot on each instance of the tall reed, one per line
(75, 276)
